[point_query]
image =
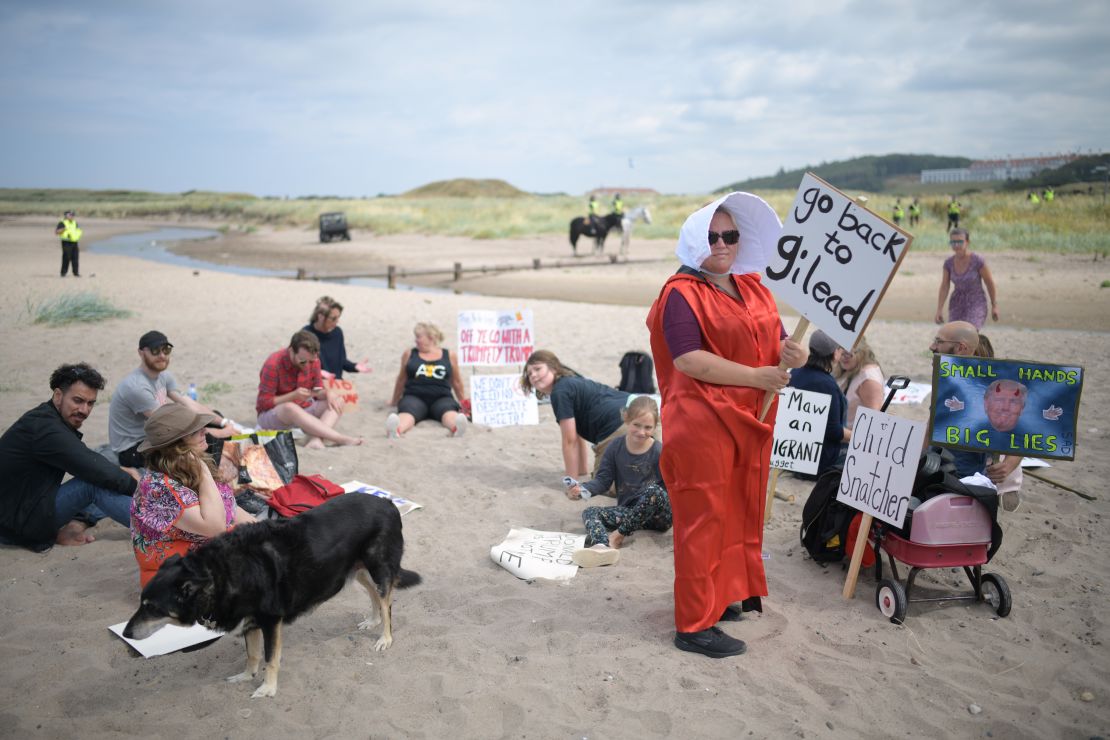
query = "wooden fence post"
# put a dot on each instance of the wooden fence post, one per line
(391, 277)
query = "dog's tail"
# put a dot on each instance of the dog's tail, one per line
(407, 578)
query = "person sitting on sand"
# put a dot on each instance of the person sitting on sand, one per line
(324, 323)
(291, 394)
(142, 392)
(424, 385)
(816, 376)
(631, 463)
(860, 377)
(961, 339)
(36, 509)
(587, 411)
(179, 504)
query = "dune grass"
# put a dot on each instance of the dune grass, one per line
(72, 308)
(998, 221)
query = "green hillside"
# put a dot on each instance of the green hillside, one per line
(465, 188)
(868, 173)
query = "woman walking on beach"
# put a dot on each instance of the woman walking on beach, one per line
(586, 410)
(967, 273)
(424, 384)
(717, 341)
(178, 504)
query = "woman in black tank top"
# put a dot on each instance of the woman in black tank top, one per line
(424, 385)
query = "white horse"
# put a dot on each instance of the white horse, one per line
(639, 212)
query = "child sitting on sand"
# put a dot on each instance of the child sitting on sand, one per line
(632, 463)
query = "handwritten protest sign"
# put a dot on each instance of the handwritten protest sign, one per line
(495, 337)
(403, 505)
(878, 476)
(346, 391)
(529, 553)
(1008, 406)
(913, 393)
(499, 401)
(799, 430)
(834, 260)
(881, 464)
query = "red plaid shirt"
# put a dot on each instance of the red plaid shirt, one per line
(279, 375)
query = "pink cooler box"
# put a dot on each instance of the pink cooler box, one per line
(950, 519)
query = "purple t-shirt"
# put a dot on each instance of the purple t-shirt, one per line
(681, 329)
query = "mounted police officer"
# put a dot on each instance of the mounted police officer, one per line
(618, 205)
(70, 233)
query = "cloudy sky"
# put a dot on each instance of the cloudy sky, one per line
(366, 97)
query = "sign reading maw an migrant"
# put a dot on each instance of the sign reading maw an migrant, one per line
(495, 337)
(834, 260)
(1006, 406)
(881, 464)
(799, 430)
(499, 401)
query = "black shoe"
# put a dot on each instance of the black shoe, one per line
(732, 613)
(752, 604)
(712, 642)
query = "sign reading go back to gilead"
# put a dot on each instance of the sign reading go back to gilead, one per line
(834, 260)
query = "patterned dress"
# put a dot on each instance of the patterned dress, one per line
(969, 300)
(157, 506)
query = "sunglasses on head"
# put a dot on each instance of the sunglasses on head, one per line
(165, 349)
(729, 237)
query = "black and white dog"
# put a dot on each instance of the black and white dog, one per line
(266, 574)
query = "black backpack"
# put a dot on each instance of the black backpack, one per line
(637, 373)
(824, 532)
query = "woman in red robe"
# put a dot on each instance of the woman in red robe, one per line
(717, 341)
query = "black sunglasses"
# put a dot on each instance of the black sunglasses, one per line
(730, 237)
(165, 349)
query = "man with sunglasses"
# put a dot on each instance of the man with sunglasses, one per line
(146, 389)
(961, 338)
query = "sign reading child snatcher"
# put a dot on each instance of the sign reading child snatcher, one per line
(834, 260)
(495, 337)
(881, 465)
(799, 430)
(1007, 406)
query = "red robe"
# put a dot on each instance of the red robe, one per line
(716, 452)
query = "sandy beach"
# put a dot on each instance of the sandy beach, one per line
(478, 653)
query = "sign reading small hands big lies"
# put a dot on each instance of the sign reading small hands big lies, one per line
(834, 260)
(1008, 406)
(495, 337)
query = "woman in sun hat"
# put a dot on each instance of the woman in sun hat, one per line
(178, 504)
(717, 341)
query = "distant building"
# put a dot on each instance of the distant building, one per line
(986, 170)
(626, 192)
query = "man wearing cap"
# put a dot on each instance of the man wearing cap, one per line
(141, 393)
(291, 394)
(70, 233)
(816, 376)
(961, 338)
(36, 509)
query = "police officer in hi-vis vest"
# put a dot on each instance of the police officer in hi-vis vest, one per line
(70, 233)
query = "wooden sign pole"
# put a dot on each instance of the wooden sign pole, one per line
(770, 495)
(799, 332)
(857, 556)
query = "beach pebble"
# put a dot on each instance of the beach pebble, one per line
(1087, 696)
(829, 725)
(974, 708)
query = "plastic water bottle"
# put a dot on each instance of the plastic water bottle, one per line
(192, 391)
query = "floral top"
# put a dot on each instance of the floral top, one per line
(155, 509)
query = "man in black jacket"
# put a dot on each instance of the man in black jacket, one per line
(36, 509)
